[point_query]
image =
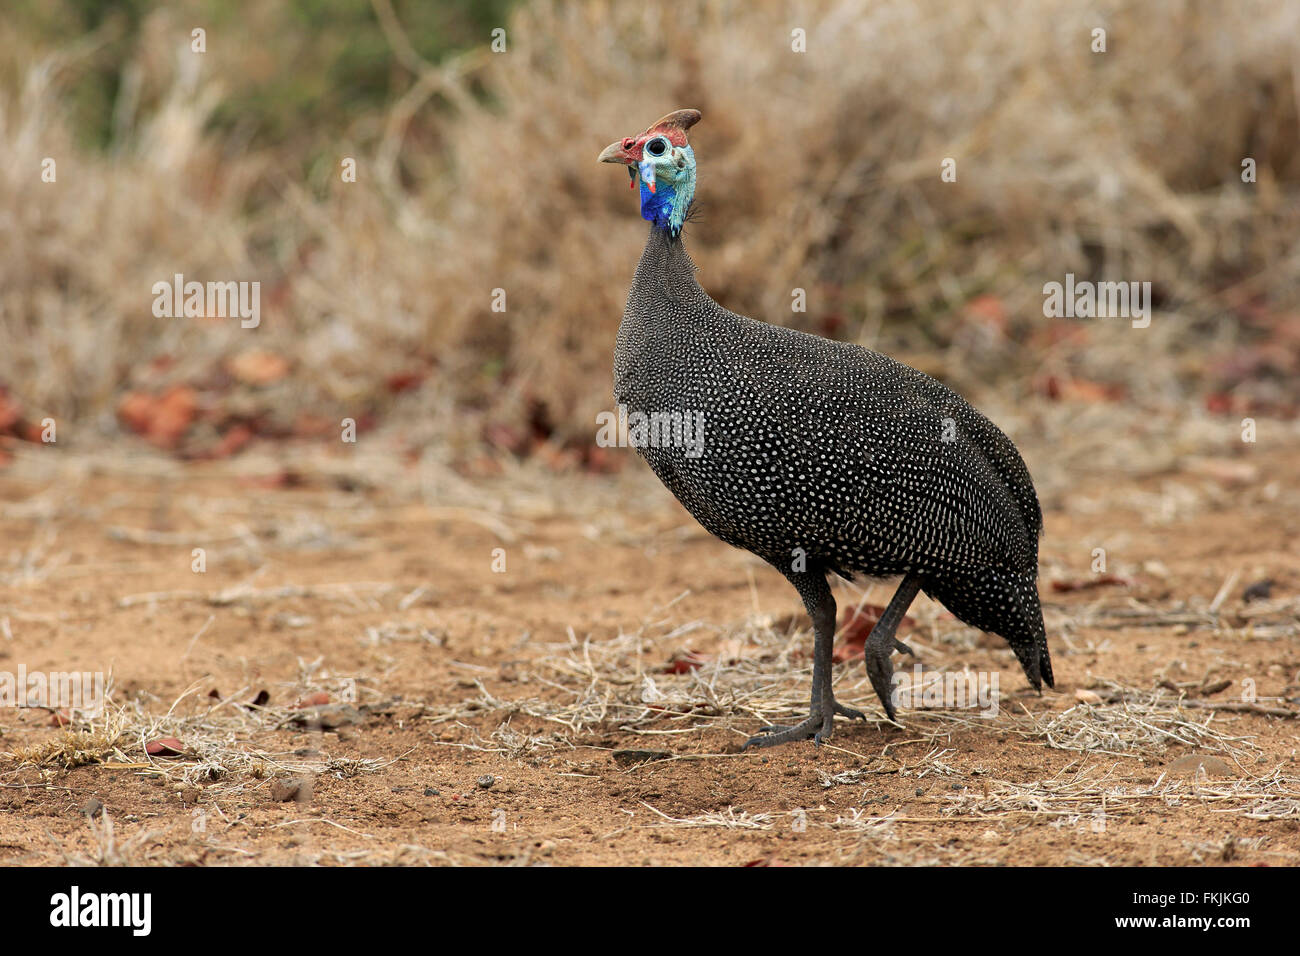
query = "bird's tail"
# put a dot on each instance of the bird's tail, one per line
(1029, 640)
(1005, 603)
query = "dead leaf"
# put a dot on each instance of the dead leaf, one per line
(1080, 390)
(404, 381)
(257, 367)
(1085, 584)
(683, 662)
(856, 628)
(263, 696)
(161, 419)
(164, 747)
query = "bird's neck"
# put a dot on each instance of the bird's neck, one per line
(665, 269)
(660, 305)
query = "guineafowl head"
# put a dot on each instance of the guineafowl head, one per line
(662, 164)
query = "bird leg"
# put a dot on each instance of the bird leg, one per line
(823, 706)
(881, 643)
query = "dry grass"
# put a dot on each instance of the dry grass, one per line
(819, 171)
(106, 849)
(221, 738)
(97, 741)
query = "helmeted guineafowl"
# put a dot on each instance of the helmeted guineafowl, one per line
(821, 456)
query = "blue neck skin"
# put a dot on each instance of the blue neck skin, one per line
(657, 206)
(674, 177)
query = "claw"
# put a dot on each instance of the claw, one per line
(880, 669)
(818, 726)
(781, 735)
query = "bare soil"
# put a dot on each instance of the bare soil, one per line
(468, 714)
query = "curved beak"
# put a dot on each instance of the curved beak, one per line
(615, 153)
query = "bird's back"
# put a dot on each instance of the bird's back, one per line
(859, 462)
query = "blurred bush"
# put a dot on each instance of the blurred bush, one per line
(476, 172)
(294, 73)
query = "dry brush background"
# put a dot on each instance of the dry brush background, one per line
(818, 171)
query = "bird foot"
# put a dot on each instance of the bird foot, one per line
(818, 726)
(881, 669)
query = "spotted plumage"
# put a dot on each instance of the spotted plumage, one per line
(822, 456)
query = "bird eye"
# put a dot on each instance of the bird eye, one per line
(656, 147)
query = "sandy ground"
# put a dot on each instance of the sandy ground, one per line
(585, 704)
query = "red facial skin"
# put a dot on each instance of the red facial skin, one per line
(631, 147)
(672, 127)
